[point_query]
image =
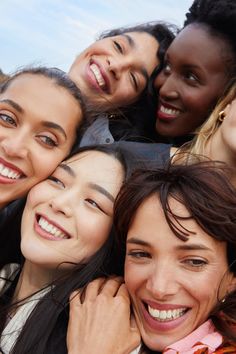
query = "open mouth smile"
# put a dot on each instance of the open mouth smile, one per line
(166, 315)
(10, 172)
(99, 76)
(49, 230)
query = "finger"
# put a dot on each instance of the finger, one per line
(111, 286)
(75, 296)
(133, 324)
(92, 290)
(122, 291)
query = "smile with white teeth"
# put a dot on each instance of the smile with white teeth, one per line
(8, 172)
(98, 76)
(166, 315)
(51, 229)
(169, 111)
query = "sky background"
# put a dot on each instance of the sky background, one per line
(53, 32)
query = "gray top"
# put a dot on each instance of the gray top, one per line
(98, 133)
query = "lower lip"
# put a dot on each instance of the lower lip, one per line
(165, 117)
(162, 326)
(6, 180)
(44, 234)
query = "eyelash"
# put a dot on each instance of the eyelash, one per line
(94, 204)
(8, 119)
(44, 139)
(134, 81)
(195, 263)
(138, 254)
(56, 181)
(47, 141)
(118, 47)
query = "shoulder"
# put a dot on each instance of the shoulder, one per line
(151, 153)
(7, 275)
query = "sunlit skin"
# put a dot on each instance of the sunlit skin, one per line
(68, 217)
(113, 71)
(222, 145)
(38, 122)
(193, 79)
(162, 273)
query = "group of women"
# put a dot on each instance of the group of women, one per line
(127, 241)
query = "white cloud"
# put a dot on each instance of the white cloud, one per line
(54, 31)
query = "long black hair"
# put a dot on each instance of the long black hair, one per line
(45, 329)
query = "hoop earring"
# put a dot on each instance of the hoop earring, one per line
(221, 116)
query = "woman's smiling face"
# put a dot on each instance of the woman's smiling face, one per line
(113, 71)
(68, 217)
(173, 284)
(194, 77)
(38, 121)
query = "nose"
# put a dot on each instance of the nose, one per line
(167, 86)
(60, 203)
(118, 65)
(162, 282)
(15, 146)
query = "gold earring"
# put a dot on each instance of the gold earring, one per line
(221, 116)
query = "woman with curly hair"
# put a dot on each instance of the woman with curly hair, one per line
(199, 64)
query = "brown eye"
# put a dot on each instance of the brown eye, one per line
(118, 47)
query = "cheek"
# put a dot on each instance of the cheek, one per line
(94, 233)
(45, 163)
(131, 278)
(159, 81)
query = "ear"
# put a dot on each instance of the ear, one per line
(227, 108)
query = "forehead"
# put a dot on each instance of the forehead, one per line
(156, 229)
(94, 164)
(194, 45)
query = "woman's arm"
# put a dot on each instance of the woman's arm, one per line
(101, 323)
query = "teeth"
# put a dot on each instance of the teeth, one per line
(170, 111)
(162, 315)
(8, 172)
(98, 76)
(51, 229)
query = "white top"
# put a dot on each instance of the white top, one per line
(14, 326)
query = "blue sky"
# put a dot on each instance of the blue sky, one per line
(53, 32)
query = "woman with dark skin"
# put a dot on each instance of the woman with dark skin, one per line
(199, 64)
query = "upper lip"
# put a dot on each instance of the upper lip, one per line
(167, 105)
(158, 306)
(107, 87)
(11, 166)
(58, 226)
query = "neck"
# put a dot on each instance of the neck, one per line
(217, 150)
(32, 279)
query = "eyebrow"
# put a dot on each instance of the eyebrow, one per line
(102, 190)
(133, 45)
(56, 126)
(137, 241)
(192, 247)
(68, 169)
(13, 104)
(184, 247)
(94, 186)
(46, 124)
